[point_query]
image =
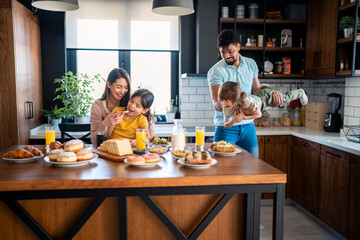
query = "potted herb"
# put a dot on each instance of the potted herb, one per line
(347, 24)
(74, 92)
(54, 115)
(170, 112)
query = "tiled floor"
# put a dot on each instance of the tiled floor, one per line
(297, 226)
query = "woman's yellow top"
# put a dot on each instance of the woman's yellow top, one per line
(127, 128)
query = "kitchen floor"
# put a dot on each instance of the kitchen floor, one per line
(297, 225)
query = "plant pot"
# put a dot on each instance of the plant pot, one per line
(348, 32)
(170, 117)
(82, 120)
(55, 122)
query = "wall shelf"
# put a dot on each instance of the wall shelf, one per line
(283, 76)
(260, 21)
(347, 6)
(347, 72)
(347, 40)
(284, 49)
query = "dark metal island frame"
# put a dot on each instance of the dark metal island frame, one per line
(111, 200)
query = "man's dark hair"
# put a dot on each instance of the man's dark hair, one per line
(225, 38)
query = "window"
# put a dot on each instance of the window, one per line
(102, 35)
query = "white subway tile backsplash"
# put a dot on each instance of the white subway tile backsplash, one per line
(354, 101)
(353, 121)
(210, 121)
(203, 90)
(184, 98)
(357, 112)
(184, 114)
(354, 82)
(208, 99)
(209, 114)
(196, 114)
(188, 90)
(196, 98)
(350, 92)
(357, 91)
(184, 82)
(348, 111)
(188, 106)
(193, 82)
(205, 106)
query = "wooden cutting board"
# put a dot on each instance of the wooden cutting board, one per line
(111, 156)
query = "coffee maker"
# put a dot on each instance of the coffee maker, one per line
(333, 118)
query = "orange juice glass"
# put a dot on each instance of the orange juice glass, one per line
(49, 135)
(200, 138)
(140, 139)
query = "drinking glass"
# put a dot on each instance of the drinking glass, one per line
(49, 135)
(184, 136)
(100, 138)
(199, 138)
(140, 139)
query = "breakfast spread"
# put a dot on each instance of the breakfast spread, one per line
(198, 158)
(222, 146)
(180, 153)
(116, 147)
(158, 150)
(26, 152)
(73, 151)
(160, 141)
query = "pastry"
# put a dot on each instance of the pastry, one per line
(74, 145)
(18, 153)
(135, 160)
(151, 157)
(55, 145)
(116, 147)
(84, 154)
(33, 150)
(180, 153)
(54, 154)
(198, 158)
(66, 157)
(159, 141)
(222, 146)
(159, 150)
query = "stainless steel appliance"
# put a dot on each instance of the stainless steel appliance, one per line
(333, 118)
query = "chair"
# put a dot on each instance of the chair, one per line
(65, 128)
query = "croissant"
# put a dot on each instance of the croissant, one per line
(33, 150)
(55, 145)
(18, 153)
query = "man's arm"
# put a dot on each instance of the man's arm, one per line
(214, 91)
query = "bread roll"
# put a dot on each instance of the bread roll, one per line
(74, 145)
(54, 154)
(84, 154)
(67, 157)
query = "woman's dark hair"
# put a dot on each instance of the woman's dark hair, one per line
(229, 91)
(147, 99)
(225, 38)
(114, 75)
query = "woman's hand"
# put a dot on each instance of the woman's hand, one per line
(276, 99)
(114, 118)
(133, 142)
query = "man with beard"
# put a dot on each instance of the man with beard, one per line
(236, 68)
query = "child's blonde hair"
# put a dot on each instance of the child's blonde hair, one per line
(231, 91)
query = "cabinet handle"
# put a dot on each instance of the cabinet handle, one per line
(333, 154)
(268, 140)
(30, 110)
(306, 145)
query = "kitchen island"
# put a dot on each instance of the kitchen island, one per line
(111, 200)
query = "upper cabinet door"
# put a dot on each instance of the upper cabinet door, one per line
(321, 39)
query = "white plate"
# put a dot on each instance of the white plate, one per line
(145, 165)
(70, 164)
(22, 160)
(196, 166)
(226, 154)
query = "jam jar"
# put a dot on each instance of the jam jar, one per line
(276, 122)
(265, 119)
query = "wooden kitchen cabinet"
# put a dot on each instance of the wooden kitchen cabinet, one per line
(305, 174)
(321, 32)
(20, 73)
(354, 198)
(274, 150)
(334, 189)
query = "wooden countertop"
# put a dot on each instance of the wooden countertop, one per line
(40, 175)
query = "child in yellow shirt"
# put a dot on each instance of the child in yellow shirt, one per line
(136, 115)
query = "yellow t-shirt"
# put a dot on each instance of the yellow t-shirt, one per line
(127, 128)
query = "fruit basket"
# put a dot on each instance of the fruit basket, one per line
(352, 133)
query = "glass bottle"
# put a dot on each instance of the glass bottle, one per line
(341, 65)
(347, 64)
(265, 119)
(286, 121)
(297, 118)
(177, 137)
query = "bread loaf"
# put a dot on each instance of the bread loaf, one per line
(116, 147)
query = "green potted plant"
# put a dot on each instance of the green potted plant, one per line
(74, 92)
(347, 24)
(54, 115)
(170, 112)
